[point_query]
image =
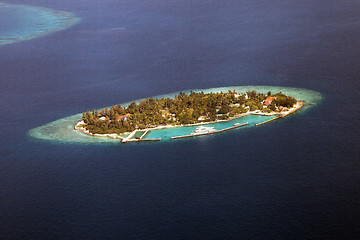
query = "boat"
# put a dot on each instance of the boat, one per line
(240, 124)
(203, 130)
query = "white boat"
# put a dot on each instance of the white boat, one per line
(203, 130)
(240, 124)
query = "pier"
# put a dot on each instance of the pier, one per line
(141, 140)
(146, 132)
(273, 119)
(300, 105)
(131, 138)
(218, 131)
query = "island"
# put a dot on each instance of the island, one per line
(62, 130)
(132, 123)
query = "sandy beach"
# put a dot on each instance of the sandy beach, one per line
(80, 124)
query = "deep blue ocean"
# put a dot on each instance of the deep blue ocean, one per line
(298, 178)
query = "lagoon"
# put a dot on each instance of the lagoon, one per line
(63, 129)
(294, 178)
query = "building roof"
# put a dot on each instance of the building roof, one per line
(268, 100)
(123, 116)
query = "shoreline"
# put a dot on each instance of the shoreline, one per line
(128, 138)
(62, 130)
(116, 136)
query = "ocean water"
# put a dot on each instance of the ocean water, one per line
(23, 22)
(296, 178)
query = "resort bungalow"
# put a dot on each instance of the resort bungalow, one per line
(269, 100)
(203, 118)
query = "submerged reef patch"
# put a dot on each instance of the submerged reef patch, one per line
(25, 22)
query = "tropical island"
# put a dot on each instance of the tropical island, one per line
(195, 108)
(62, 130)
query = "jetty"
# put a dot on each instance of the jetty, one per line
(131, 138)
(300, 104)
(140, 140)
(267, 121)
(217, 131)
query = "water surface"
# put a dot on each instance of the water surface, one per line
(24, 22)
(295, 178)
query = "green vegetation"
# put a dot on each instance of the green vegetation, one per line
(183, 109)
(284, 101)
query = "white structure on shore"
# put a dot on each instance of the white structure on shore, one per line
(202, 130)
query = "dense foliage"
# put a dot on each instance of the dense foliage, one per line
(183, 109)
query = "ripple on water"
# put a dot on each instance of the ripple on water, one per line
(62, 130)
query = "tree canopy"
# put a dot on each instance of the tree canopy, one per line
(183, 109)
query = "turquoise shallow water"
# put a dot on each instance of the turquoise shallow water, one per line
(23, 22)
(167, 134)
(62, 130)
(294, 178)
